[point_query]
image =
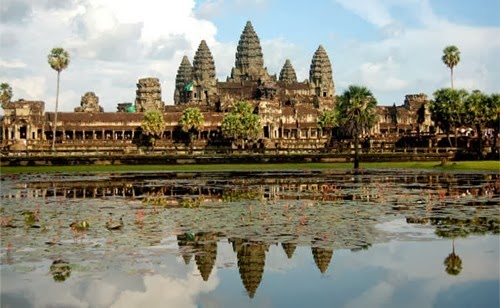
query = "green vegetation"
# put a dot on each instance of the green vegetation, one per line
(456, 166)
(452, 109)
(58, 60)
(241, 124)
(356, 108)
(153, 125)
(191, 122)
(5, 93)
(451, 57)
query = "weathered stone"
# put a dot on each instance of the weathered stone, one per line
(249, 63)
(183, 81)
(148, 95)
(89, 103)
(204, 82)
(287, 73)
(320, 74)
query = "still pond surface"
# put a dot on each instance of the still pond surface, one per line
(303, 238)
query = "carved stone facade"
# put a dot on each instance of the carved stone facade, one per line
(89, 103)
(320, 74)
(288, 109)
(249, 64)
(148, 95)
(287, 74)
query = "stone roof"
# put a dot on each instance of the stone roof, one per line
(249, 62)
(321, 68)
(287, 73)
(184, 73)
(203, 63)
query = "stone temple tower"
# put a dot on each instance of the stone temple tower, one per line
(183, 82)
(287, 73)
(148, 95)
(249, 63)
(204, 83)
(320, 74)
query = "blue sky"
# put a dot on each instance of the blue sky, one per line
(393, 47)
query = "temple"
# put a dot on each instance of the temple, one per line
(288, 109)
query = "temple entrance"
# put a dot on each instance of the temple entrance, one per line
(266, 131)
(22, 132)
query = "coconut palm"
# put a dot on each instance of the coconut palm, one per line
(58, 59)
(451, 57)
(5, 93)
(356, 111)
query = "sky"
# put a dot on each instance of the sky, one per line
(393, 47)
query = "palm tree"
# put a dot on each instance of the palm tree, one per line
(58, 60)
(453, 262)
(451, 58)
(5, 93)
(356, 114)
(327, 121)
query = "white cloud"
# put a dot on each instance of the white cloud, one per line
(415, 52)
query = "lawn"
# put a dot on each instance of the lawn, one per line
(430, 165)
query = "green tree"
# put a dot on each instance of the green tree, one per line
(59, 61)
(153, 125)
(191, 121)
(356, 113)
(5, 93)
(451, 57)
(453, 262)
(60, 270)
(494, 120)
(478, 114)
(241, 124)
(447, 109)
(327, 121)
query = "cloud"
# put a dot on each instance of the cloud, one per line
(15, 11)
(407, 57)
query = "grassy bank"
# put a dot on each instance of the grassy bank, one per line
(452, 166)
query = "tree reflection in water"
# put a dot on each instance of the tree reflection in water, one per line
(325, 210)
(60, 270)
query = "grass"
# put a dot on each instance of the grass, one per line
(432, 165)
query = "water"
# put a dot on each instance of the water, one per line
(299, 238)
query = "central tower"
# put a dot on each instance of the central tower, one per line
(249, 64)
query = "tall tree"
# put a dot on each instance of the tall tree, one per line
(453, 262)
(5, 93)
(447, 109)
(58, 59)
(241, 124)
(356, 112)
(327, 121)
(478, 112)
(191, 122)
(494, 120)
(153, 125)
(451, 57)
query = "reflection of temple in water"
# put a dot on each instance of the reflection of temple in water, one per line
(204, 247)
(289, 249)
(320, 186)
(251, 260)
(322, 257)
(251, 255)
